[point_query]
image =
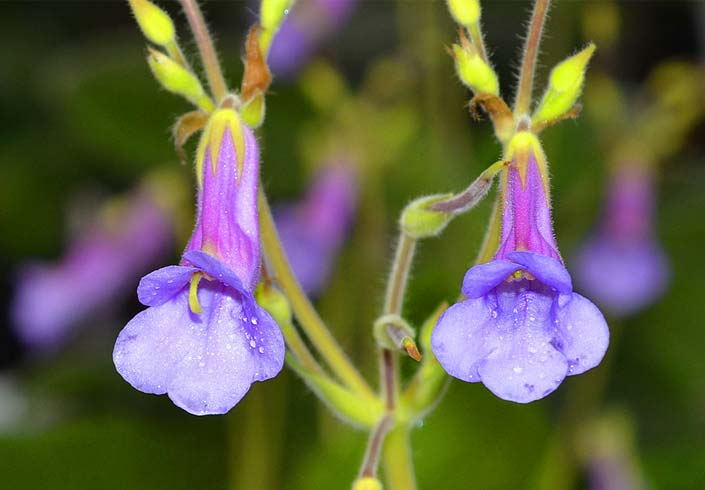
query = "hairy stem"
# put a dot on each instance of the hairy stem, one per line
(304, 311)
(478, 41)
(214, 74)
(396, 287)
(374, 447)
(531, 50)
(298, 348)
(393, 301)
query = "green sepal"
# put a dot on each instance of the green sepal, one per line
(253, 111)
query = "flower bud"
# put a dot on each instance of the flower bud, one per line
(465, 12)
(174, 77)
(473, 71)
(154, 22)
(565, 86)
(367, 483)
(419, 221)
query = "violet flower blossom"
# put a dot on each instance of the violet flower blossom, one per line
(308, 25)
(624, 249)
(522, 329)
(313, 230)
(203, 340)
(52, 299)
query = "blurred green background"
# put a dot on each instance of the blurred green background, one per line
(80, 112)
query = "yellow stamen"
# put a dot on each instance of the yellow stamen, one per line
(193, 302)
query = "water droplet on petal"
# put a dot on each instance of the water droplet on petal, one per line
(517, 369)
(253, 344)
(261, 350)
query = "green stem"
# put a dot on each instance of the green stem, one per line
(393, 302)
(214, 74)
(400, 273)
(298, 348)
(304, 311)
(478, 41)
(374, 447)
(531, 50)
(397, 461)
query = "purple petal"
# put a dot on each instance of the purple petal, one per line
(525, 366)
(546, 269)
(161, 285)
(207, 362)
(514, 375)
(231, 353)
(458, 340)
(481, 278)
(155, 341)
(583, 333)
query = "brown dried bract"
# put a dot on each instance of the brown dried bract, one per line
(257, 75)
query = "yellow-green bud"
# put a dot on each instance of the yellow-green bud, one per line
(473, 71)
(565, 86)
(272, 13)
(274, 302)
(174, 77)
(367, 483)
(154, 22)
(418, 220)
(465, 12)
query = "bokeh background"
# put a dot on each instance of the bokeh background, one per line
(82, 121)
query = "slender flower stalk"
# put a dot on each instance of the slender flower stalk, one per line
(531, 51)
(308, 317)
(211, 65)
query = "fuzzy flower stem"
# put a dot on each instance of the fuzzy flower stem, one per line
(299, 350)
(216, 81)
(478, 41)
(374, 447)
(393, 302)
(467, 199)
(531, 50)
(400, 273)
(310, 322)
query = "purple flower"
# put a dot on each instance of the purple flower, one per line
(310, 22)
(52, 299)
(522, 329)
(313, 230)
(203, 340)
(624, 248)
